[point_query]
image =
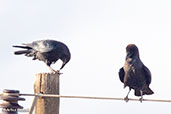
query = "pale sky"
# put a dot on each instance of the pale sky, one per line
(96, 32)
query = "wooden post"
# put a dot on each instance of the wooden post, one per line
(47, 83)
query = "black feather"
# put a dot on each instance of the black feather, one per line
(25, 47)
(121, 74)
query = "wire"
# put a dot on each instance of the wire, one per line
(89, 97)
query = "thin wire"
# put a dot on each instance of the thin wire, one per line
(89, 97)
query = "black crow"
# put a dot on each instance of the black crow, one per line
(135, 74)
(48, 51)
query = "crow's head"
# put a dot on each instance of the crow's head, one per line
(65, 59)
(132, 51)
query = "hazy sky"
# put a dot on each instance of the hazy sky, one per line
(97, 32)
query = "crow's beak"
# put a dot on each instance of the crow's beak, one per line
(129, 55)
(63, 64)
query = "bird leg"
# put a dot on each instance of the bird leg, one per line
(54, 71)
(141, 99)
(126, 98)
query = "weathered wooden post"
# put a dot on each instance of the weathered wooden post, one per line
(47, 83)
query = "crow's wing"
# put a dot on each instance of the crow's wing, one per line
(147, 74)
(121, 74)
(42, 45)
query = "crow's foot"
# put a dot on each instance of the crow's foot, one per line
(126, 99)
(141, 99)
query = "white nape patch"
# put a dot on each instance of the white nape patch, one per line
(43, 47)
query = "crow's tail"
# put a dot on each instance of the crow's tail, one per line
(22, 52)
(25, 47)
(147, 91)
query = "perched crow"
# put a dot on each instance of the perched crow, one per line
(48, 51)
(135, 74)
